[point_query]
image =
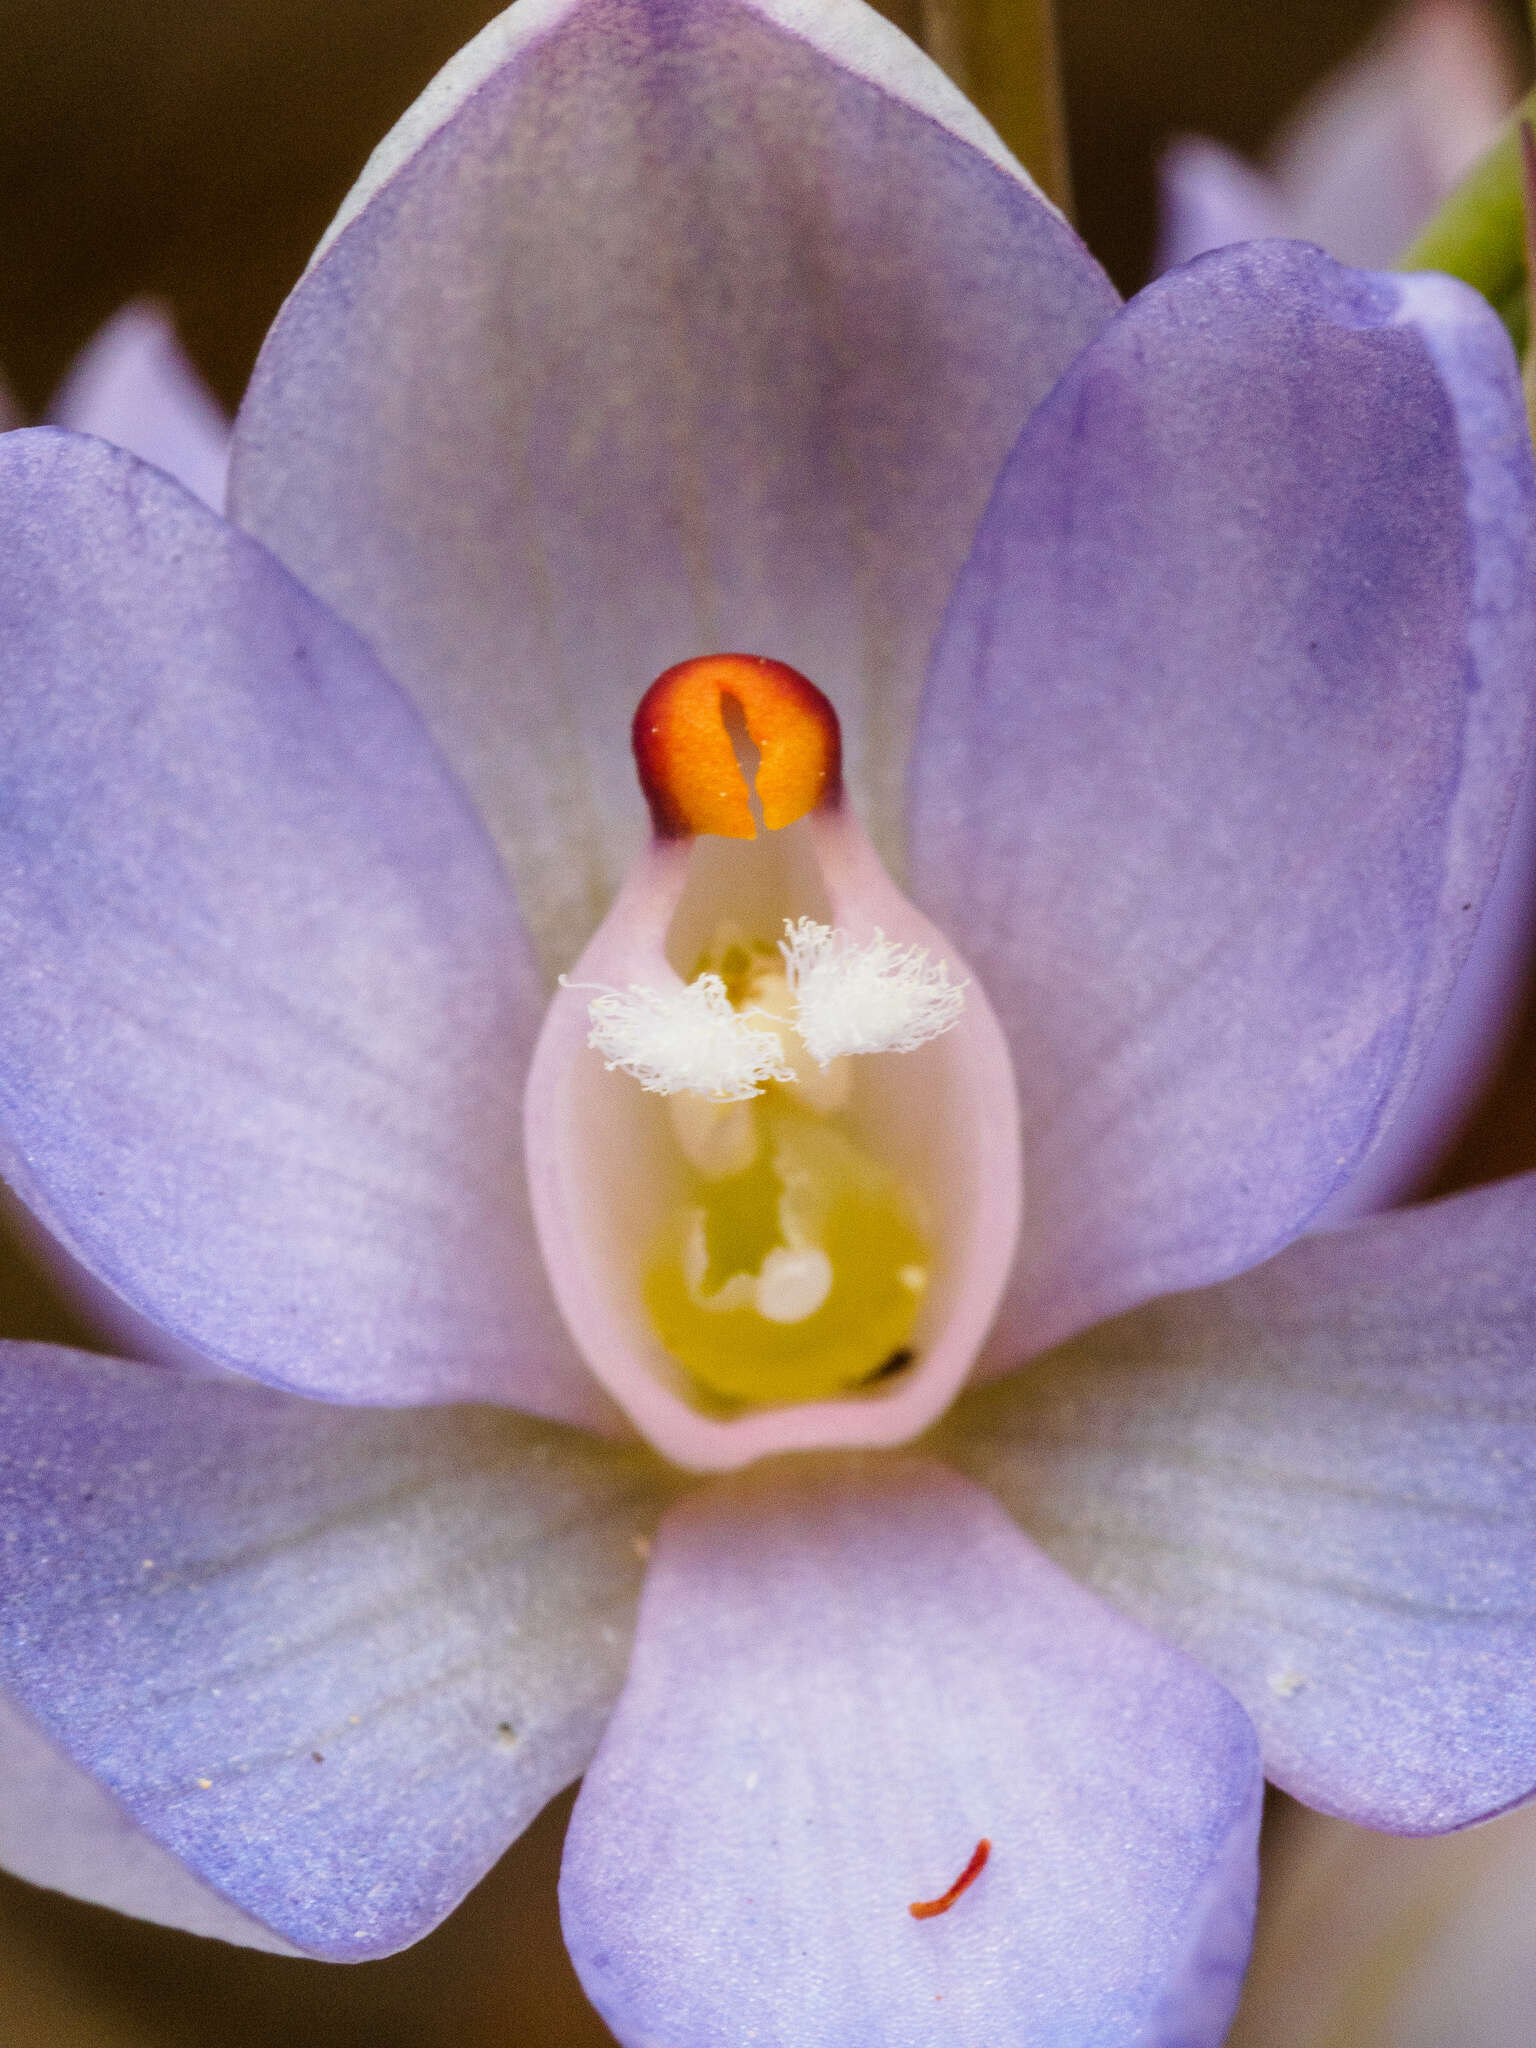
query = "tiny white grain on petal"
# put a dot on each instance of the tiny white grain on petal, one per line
(878, 997)
(685, 1037)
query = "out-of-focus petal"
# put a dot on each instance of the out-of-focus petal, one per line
(59, 1828)
(134, 386)
(1207, 197)
(845, 1674)
(1221, 743)
(1320, 1480)
(657, 326)
(334, 1659)
(1384, 1943)
(267, 1002)
(1365, 160)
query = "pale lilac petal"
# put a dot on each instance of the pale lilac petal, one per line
(1365, 160)
(268, 1005)
(134, 386)
(658, 326)
(334, 1659)
(1207, 197)
(1320, 1480)
(61, 1829)
(845, 1674)
(1221, 743)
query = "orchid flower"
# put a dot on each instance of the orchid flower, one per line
(1366, 158)
(1134, 702)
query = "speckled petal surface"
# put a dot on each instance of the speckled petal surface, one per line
(334, 1659)
(846, 1673)
(1218, 754)
(657, 327)
(1320, 1480)
(133, 385)
(268, 1003)
(60, 1829)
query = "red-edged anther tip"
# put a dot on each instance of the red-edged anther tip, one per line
(688, 766)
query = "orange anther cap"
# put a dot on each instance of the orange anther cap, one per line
(688, 767)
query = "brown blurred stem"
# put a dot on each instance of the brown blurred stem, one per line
(1003, 55)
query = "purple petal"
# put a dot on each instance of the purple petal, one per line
(1207, 197)
(1475, 1031)
(268, 1005)
(1320, 1480)
(845, 1674)
(61, 1829)
(133, 385)
(334, 1659)
(1221, 742)
(657, 326)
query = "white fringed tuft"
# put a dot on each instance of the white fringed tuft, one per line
(878, 997)
(687, 1037)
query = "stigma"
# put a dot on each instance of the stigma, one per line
(772, 1132)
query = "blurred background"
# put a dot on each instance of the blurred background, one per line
(197, 154)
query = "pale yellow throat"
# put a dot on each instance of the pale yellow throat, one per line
(794, 1264)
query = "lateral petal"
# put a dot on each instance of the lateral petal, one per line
(1218, 754)
(334, 1660)
(268, 1002)
(1319, 1480)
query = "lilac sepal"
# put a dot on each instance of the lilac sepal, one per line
(334, 1659)
(1220, 745)
(1320, 1480)
(133, 385)
(846, 1673)
(268, 1003)
(659, 326)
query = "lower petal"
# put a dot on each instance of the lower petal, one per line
(847, 1674)
(60, 1829)
(268, 1000)
(334, 1660)
(1320, 1480)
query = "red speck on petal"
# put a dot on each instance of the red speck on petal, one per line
(926, 1909)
